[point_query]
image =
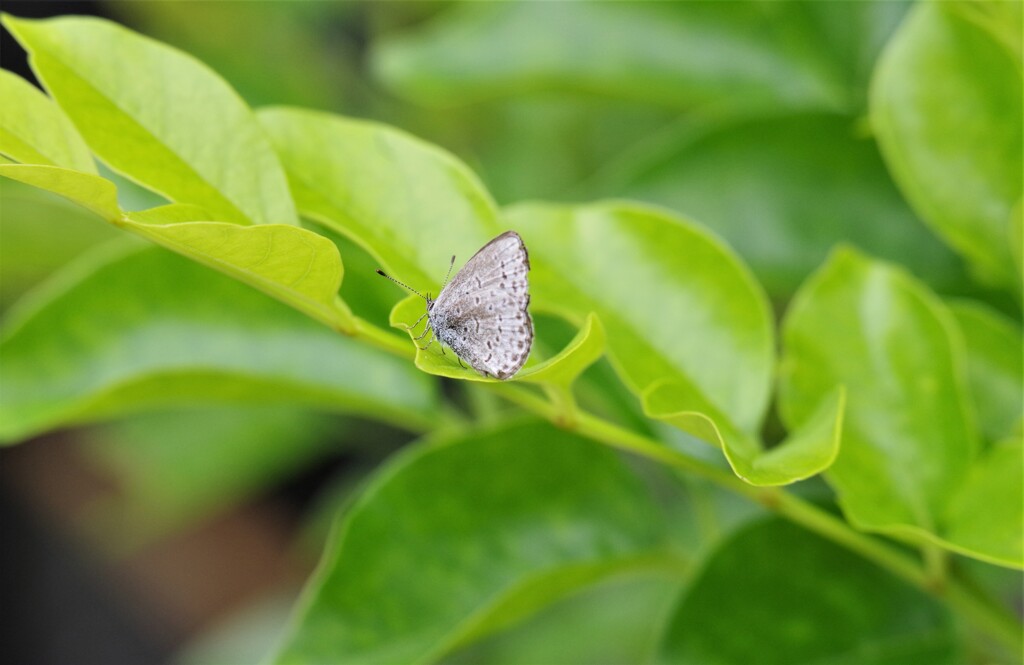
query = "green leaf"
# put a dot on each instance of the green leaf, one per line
(703, 321)
(298, 267)
(797, 598)
(581, 352)
(946, 106)
(731, 56)
(159, 117)
(987, 512)
(90, 191)
(806, 452)
(445, 553)
(40, 233)
(33, 130)
(995, 362)
(179, 467)
(783, 191)
(406, 202)
(908, 439)
(182, 335)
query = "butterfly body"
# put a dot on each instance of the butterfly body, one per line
(482, 313)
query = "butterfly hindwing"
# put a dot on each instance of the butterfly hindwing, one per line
(482, 313)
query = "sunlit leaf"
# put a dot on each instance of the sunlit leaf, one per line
(159, 117)
(89, 191)
(947, 109)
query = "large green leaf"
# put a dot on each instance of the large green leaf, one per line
(459, 536)
(408, 203)
(946, 106)
(297, 266)
(159, 117)
(33, 130)
(909, 441)
(182, 335)
(675, 302)
(776, 594)
(995, 367)
(733, 56)
(782, 191)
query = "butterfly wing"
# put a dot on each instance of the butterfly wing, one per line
(482, 313)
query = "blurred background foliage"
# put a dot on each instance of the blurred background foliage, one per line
(748, 116)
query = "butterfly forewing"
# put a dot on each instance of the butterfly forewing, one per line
(482, 313)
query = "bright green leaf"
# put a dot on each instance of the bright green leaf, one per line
(443, 552)
(159, 117)
(182, 335)
(90, 191)
(675, 302)
(172, 213)
(995, 367)
(409, 204)
(946, 106)
(298, 267)
(808, 451)
(33, 130)
(909, 442)
(777, 594)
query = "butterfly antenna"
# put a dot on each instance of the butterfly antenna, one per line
(450, 266)
(401, 284)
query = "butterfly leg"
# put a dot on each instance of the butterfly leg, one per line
(425, 331)
(413, 326)
(463, 366)
(430, 341)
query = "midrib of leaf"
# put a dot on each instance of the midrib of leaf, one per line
(169, 153)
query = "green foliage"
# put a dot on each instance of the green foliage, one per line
(654, 334)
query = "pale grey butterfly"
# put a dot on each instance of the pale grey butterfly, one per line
(482, 314)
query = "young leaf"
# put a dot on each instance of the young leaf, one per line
(703, 320)
(797, 598)
(946, 107)
(159, 117)
(90, 191)
(808, 451)
(33, 130)
(461, 534)
(409, 204)
(182, 335)
(995, 368)
(908, 440)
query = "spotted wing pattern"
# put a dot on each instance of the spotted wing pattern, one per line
(482, 313)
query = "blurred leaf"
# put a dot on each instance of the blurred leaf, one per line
(90, 191)
(806, 452)
(783, 191)
(159, 117)
(447, 555)
(995, 367)
(178, 467)
(40, 232)
(987, 512)
(802, 599)
(946, 106)
(908, 440)
(33, 130)
(703, 321)
(610, 623)
(732, 56)
(408, 203)
(182, 335)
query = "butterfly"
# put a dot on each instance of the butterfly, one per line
(482, 313)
